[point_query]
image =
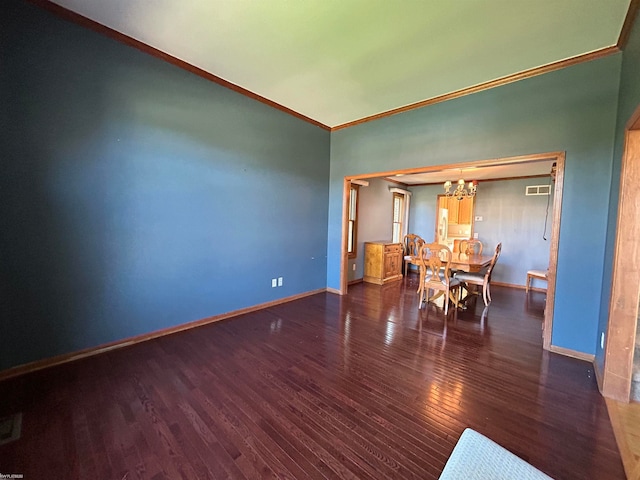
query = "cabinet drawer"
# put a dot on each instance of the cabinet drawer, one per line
(392, 248)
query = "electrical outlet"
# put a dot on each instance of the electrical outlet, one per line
(274, 283)
(475, 235)
(479, 218)
(353, 267)
(279, 281)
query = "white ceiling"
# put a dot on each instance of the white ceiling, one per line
(337, 61)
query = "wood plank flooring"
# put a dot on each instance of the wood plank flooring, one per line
(625, 420)
(326, 387)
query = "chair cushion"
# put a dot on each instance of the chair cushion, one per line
(537, 273)
(475, 457)
(436, 280)
(477, 278)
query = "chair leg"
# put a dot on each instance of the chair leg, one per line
(458, 298)
(446, 302)
(489, 291)
(528, 283)
(484, 294)
(423, 297)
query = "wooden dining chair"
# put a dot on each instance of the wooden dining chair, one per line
(458, 245)
(434, 260)
(473, 247)
(481, 279)
(411, 245)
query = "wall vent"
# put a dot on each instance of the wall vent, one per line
(538, 190)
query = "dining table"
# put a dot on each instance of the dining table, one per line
(469, 263)
(462, 262)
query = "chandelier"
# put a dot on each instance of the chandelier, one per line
(461, 190)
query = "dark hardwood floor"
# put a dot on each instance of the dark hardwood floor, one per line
(364, 386)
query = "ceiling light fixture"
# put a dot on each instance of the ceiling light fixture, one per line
(460, 192)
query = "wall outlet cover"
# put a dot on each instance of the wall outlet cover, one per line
(10, 428)
(274, 283)
(279, 281)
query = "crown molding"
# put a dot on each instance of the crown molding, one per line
(627, 26)
(532, 72)
(81, 20)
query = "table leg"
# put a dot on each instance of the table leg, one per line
(436, 296)
(438, 299)
(464, 296)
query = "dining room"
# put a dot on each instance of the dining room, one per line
(502, 212)
(512, 205)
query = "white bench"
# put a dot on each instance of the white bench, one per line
(475, 457)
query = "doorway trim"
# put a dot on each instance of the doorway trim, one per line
(557, 157)
(625, 278)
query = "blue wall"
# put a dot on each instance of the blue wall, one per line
(516, 220)
(629, 100)
(572, 109)
(135, 196)
(509, 217)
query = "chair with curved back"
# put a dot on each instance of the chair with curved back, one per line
(459, 246)
(472, 247)
(411, 246)
(435, 273)
(481, 279)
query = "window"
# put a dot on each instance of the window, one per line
(352, 235)
(398, 217)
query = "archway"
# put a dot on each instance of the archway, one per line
(557, 157)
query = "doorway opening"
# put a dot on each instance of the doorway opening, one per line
(513, 165)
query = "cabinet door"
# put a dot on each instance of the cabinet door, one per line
(392, 264)
(453, 204)
(398, 263)
(392, 260)
(465, 210)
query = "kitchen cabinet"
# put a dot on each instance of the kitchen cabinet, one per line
(465, 210)
(460, 211)
(382, 262)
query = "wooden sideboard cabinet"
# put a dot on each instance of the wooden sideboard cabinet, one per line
(382, 262)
